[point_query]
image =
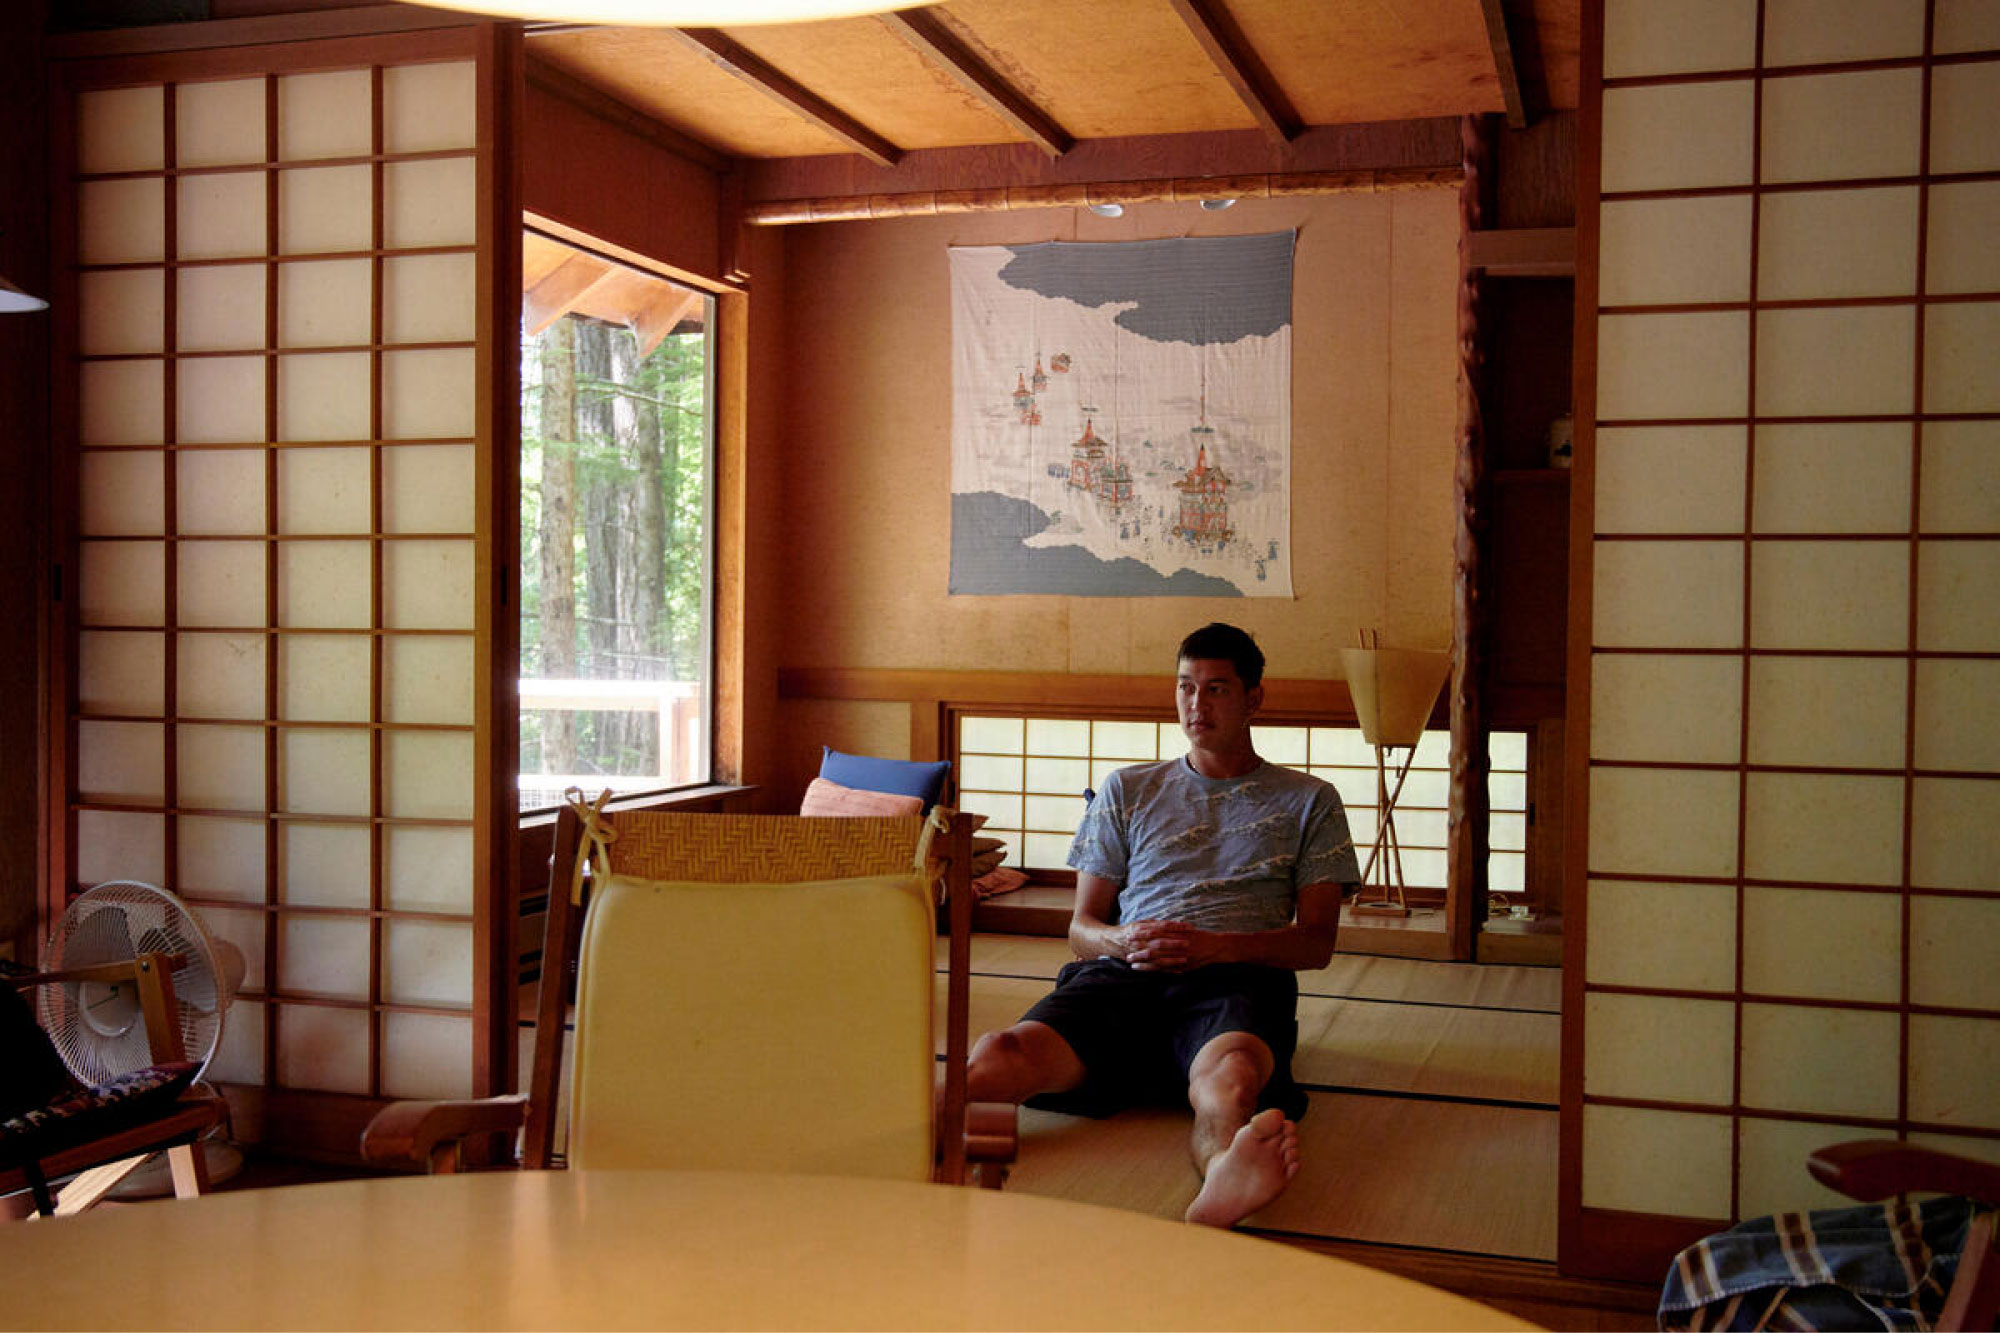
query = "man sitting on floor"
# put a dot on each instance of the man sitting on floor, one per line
(1204, 885)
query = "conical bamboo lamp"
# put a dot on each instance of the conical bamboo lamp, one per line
(1394, 691)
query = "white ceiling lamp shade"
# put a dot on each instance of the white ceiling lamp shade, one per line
(14, 301)
(674, 13)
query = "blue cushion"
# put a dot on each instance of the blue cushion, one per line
(900, 777)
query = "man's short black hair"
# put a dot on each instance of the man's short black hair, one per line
(1218, 642)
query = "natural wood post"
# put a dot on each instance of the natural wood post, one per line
(1465, 897)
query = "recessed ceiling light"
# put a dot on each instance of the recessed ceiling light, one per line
(673, 13)
(1108, 210)
(1216, 205)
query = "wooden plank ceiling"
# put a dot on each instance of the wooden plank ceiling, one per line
(1057, 76)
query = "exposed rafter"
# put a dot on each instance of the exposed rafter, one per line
(925, 31)
(558, 279)
(754, 71)
(562, 291)
(1232, 54)
(652, 322)
(1501, 40)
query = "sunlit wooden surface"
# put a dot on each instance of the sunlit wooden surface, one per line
(619, 1249)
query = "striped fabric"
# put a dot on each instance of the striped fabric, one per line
(1885, 1265)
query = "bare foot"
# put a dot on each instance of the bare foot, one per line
(1253, 1170)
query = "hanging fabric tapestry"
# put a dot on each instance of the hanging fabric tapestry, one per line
(1121, 418)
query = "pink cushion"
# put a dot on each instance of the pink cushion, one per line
(1004, 880)
(830, 798)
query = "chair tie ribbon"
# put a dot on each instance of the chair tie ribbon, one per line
(596, 839)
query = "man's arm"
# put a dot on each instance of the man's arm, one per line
(1174, 946)
(1091, 934)
(1303, 946)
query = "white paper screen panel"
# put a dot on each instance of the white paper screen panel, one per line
(219, 124)
(1769, 1155)
(277, 315)
(121, 672)
(1648, 1161)
(220, 216)
(1794, 545)
(1027, 775)
(224, 856)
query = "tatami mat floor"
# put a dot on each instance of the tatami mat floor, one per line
(1433, 1120)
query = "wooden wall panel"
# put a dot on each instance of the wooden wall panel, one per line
(586, 173)
(24, 356)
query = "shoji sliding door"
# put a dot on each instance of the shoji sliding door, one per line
(280, 476)
(1791, 654)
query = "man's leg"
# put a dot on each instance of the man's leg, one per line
(1019, 1062)
(1246, 1158)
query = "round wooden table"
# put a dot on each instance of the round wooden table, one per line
(678, 1249)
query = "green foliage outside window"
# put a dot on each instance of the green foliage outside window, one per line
(614, 545)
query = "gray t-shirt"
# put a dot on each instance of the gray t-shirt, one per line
(1225, 854)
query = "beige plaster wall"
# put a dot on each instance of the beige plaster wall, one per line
(866, 446)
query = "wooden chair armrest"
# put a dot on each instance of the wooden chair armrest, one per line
(431, 1135)
(1870, 1169)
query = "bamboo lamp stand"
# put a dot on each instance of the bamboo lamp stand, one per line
(1392, 901)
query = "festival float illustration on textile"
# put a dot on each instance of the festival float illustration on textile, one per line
(1118, 428)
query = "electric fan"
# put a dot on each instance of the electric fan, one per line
(98, 1027)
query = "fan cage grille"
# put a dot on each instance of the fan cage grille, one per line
(99, 1030)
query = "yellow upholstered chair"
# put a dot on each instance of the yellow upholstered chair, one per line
(752, 992)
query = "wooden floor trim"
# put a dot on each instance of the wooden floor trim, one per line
(1505, 1283)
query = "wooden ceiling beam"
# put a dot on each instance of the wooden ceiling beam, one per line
(652, 322)
(1000, 199)
(923, 29)
(1238, 62)
(562, 290)
(1242, 152)
(1500, 39)
(774, 84)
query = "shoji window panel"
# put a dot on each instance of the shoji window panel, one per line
(1027, 776)
(278, 625)
(1793, 755)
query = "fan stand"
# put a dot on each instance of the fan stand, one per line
(168, 930)
(154, 1178)
(1392, 902)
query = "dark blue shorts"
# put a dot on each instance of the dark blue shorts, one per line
(1137, 1033)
